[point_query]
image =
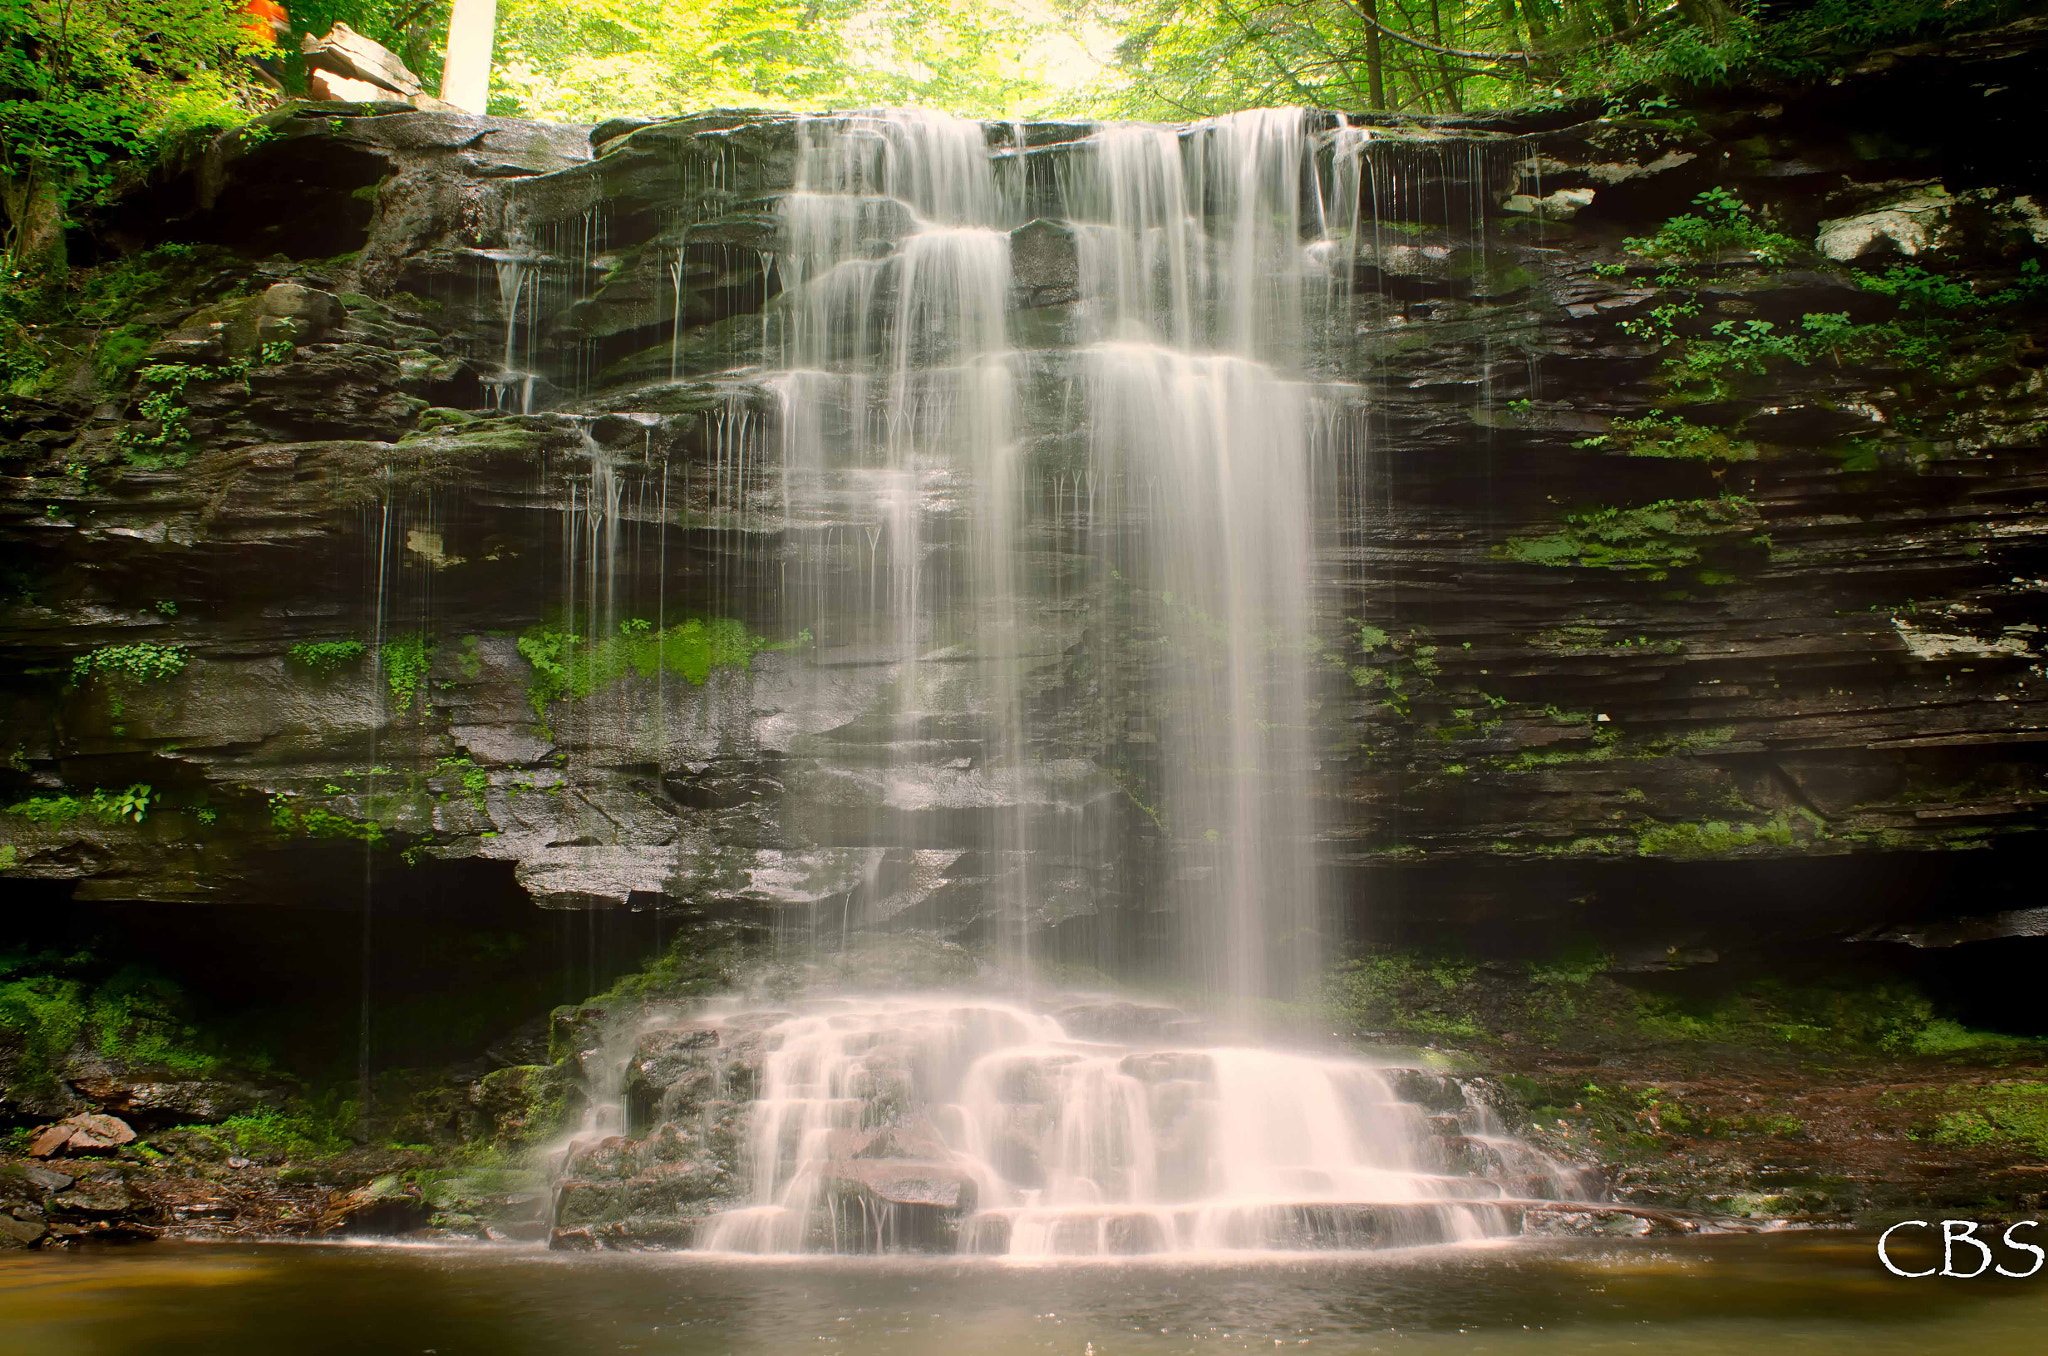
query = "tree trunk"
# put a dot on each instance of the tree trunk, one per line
(34, 210)
(1452, 100)
(1375, 68)
(466, 71)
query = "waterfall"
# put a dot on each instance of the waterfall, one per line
(1193, 270)
(914, 422)
(961, 480)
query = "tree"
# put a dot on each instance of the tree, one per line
(90, 90)
(674, 56)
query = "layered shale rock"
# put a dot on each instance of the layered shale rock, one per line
(425, 480)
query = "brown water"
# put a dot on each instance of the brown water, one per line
(1778, 1294)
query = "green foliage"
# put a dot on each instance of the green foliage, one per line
(1422, 995)
(327, 657)
(1712, 837)
(141, 662)
(666, 57)
(1885, 1018)
(1723, 226)
(1662, 435)
(310, 1128)
(2005, 1115)
(89, 91)
(1933, 333)
(108, 806)
(1396, 673)
(1176, 58)
(571, 667)
(163, 433)
(1652, 541)
(292, 820)
(43, 1016)
(476, 781)
(42, 308)
(132, 1017)
(405, 664)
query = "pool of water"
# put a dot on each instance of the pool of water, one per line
(1791, 1292)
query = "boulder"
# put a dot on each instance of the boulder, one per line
(85, 1133)
(899, 1182)
(309, 312)
(1909, 224)
(347, 59)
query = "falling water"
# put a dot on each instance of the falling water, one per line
(959, 482)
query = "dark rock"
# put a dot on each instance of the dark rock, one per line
(1572, 1220)
(17, 1232)
(897, 1182)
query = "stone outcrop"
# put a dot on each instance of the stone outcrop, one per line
(468, 331)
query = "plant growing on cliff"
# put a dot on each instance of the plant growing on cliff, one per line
(567, 666)
(1652, 541)
(327, 657)
(108, 806)
(291, 820)
(405, 664)
(141, 662)
(1723, 226)
(2005, 1115)
(1666, 436)
(54, 1004)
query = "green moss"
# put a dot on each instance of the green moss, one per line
(315, 821)
(1723, 226)
(475, 780)
(1582, 639)
(119, 353)
(140, 1019)
(315, 1128)
(2010, 1115)
(131, 1017)
(1428, 996)
(1652, 541)
(1713, 837)
(1887, 1018)
(571, 667)
(43, 1016)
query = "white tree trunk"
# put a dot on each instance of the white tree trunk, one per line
(466, 73)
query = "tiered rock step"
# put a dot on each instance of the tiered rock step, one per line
(1261, 1226)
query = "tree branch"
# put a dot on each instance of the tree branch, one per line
(1525, 58)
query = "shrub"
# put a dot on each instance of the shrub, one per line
(142, 662)
(326, 657)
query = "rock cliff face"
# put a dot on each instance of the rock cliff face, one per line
(444, 425)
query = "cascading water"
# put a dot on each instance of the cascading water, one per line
(954, 1123)
(955, 485)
